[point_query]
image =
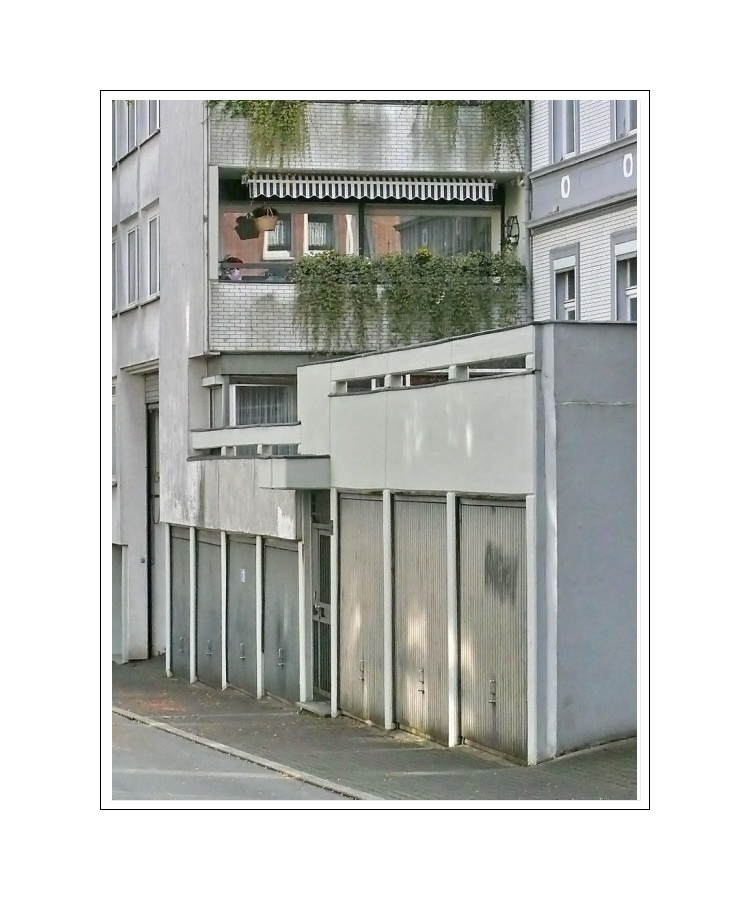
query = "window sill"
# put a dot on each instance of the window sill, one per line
(149, 299)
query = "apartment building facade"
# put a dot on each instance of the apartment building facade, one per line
(250, 547)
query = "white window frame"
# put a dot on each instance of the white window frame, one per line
(133, 272)
(624, 248)
(153, 123)
(115, 134)
(154, 290)
(306, 232)
(565, 260)
(131, 135)
(560, 111)
(244, 384)
(115, 268)
(280, 254)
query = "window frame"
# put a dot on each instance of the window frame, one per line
(623, 246)
(133, 272)
(115, 458)
(306, 249)
(565, 259)
(154, 294)
(284, 253)
(156, 117)
(131, 106)
(559, 151)
(254, 381)
(115, 270)
(627, 129)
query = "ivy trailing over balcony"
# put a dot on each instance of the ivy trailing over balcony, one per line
(276, 129)
(355, 303)
(502, 123)
(279, 129)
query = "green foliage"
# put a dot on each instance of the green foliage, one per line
(279, 129)
(344, 302)
(275, 128)
(502, 121)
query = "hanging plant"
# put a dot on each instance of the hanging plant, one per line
(342, 301)
(502, 124)
(276, 129)
(265, 217)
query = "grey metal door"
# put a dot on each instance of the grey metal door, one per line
(180, 602)
(241, 618)
(208, 609)
(281, 621)
(492, 604)
(421, 616)
(321, 613)
(361, 666)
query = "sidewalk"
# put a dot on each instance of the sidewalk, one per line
(361, 762)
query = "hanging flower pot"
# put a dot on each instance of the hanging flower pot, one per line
(265, 217)
(246, 227)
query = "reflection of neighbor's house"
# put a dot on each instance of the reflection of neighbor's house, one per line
(439, 538)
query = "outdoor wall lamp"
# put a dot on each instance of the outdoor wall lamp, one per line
(512, 230)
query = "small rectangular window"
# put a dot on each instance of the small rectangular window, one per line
(133, 266)
(153, 257)
(278, 243)
(130, 114)
(564, 129)
(319, 234)
(114, 276)
(565, 295)
(627, 289)
(626, 117)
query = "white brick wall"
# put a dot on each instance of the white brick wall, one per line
(596, 125)
(368, 138)
(595, 128)
(595, 277)
(540, 138)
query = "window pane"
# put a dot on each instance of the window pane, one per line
(281, 237)
(133, 266)
(265, 404)
(153, 116)
(114, 275)
(441, 234)
(130, 104)
(571, 285)
(633, 309)
(633, 115)
(320, 234)
(153, 256)
(633, 272)
(570, 126)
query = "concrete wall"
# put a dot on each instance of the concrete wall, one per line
(369, 137)
(596, 517)
(135, 343)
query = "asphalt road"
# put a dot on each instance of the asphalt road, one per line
(152, 765)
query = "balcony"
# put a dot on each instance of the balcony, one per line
(257, 439)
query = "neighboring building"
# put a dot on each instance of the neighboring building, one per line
(475, 500)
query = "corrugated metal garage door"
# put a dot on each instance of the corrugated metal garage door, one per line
(361, 608)
(492, 616)
(180, 601)
(208, 609)
(421, 616)
(241, 642)
(281, 620)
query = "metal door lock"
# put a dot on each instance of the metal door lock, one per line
(361, 670)
(492, 691)
(242, 651)
(208, 648)
(421, 681)
(281, 656)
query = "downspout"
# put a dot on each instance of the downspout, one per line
(526, 188)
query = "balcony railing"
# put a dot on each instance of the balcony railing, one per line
(262, 438)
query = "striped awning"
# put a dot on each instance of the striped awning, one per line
(367, 187)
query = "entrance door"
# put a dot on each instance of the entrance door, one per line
(321, 613)
(157, 637)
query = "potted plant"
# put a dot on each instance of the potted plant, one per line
(246, 227)
(265, 217)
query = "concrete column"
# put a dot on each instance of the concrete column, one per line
(223, 551)
(193, 604)
(261, 688)
(168, 593)
(334, 603)
(452, 571)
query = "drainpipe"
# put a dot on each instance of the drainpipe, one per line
(526, 188)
